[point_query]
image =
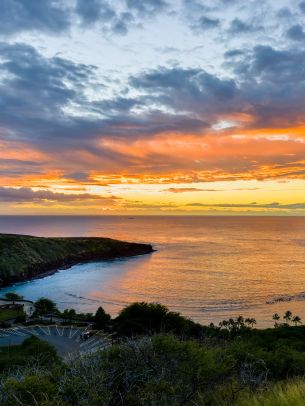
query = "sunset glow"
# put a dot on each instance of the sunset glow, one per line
(108, 115)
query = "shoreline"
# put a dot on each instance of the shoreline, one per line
(51, 272)
(39, 257)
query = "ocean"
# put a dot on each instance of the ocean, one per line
(208, 268)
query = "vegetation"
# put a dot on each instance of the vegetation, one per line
(9, 314)
(288, 319)
(151, 318)
(162, 358)
(101, 318)
(283, 394)
(24, 257)
(12, 296)
(32, 350)
(45, 306)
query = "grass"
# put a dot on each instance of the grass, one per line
(7, 314)
(282, 394)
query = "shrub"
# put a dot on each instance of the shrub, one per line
(101, 318)
(45, 306)
(150, 318)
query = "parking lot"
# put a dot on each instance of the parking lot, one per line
(67, 340)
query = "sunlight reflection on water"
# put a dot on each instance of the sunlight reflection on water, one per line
(208, 268)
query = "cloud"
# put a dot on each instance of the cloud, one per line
(187, 90)
(273, 65)
(119, 19)
(34, 91)
(189, 189)
(93, 11)
(26, 195)
(273, 205)
(48, 16)
(57, 17)
(232, 53)
(296, 33)
(166, 120)
(302, 6)
(147, 7)
(238, 26)
(206, 23)
(284, 13)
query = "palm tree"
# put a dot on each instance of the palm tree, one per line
(296, 320)
(287, 316)
(224, 324)
(240, 321)
(276, 318)
(231, 324)
(250, 321)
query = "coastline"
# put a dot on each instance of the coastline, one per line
(53, 271)
(111, 249)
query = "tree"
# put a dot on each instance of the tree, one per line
(12, 296)
(276, 318)
(69, 314)
(296, 320)
(287, 316)
(240, 321)
(101, 318)
(150, 318)
(250, 321)
(45, 306)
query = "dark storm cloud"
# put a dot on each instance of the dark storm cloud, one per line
(27, 15)
(296, 33)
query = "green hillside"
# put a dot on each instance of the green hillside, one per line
(24, 257)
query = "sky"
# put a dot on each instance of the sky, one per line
(143, 107)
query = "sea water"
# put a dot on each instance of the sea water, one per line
(208, 268)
